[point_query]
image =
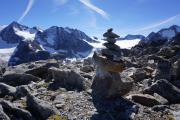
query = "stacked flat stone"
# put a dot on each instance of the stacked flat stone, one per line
(112, 51)
(107, 82)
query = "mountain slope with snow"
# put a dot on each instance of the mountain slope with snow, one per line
(6, 50)
(62, 42)
(70, 42)
(15, 32)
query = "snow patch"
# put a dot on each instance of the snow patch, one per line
(67, 30)
(27, 34)
(128, 44)
(6, 50)
(168, 34)
(125, 44)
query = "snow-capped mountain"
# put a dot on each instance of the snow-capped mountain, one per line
(57, 41)
(16, 32)
(161, 37)
(19, 43)
(164, 34)
(132, 37)
(170, 32)
(27, 51)
(71, 42)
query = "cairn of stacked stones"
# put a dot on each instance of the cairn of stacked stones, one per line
(107, 82)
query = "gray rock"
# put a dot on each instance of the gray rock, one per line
(22, 91)
(68, 79)
(166, 52)
(166, 90)
(20, 113)
(161, 108)
(163, 70)
(17, 79)
(3, 115)
(162, 100)
(40, 109)
(145, 99)
(88, 61)
(139, 75)
(6, 90)
(38, 68)
(87, 68)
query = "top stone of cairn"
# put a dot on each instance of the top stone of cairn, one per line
(110, 36)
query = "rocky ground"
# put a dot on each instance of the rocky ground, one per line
(61, 90)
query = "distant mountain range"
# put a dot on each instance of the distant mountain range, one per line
(20, 44)
(57, 41)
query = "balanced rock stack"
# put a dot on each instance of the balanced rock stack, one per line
(107, 82)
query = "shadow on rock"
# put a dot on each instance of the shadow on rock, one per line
(114, 109)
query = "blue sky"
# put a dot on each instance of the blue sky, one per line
(93, 16)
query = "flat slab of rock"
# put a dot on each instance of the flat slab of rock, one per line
(166, 90)
(38, 68)
(17, 79)
(39, 108)
(108, 65)
(3, 115)
(20, 113)
(6, 90)
(145, 99)
(68, 78)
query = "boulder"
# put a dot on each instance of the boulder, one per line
(166, 52)
(41, 68)
(15, 111)
(88, 61)
(38, 68)
(6, 90)
(3, 115)
(161, 99)
(17, 79)
(165, 89)
(145, 99)
(68, 79)
(87, 68)
(40, 109)
(139, 75)
(22, 91)
(163, 70)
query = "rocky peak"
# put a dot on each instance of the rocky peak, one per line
(66, 40)
(16, 32)
(132, 37)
